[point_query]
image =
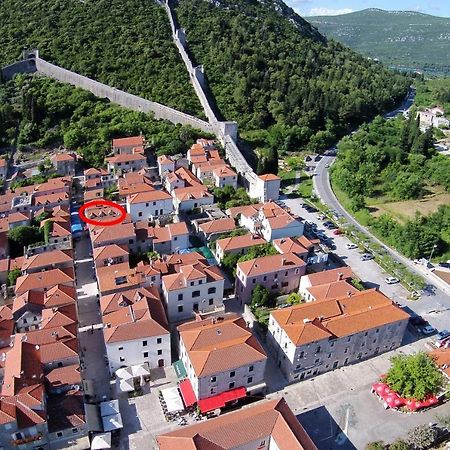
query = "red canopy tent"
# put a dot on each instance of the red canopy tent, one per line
(187, 393)
(219, 401)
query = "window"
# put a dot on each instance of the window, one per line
(120, 348)
(25, 321)
(140, 214)
(180, 297)
(74, 430)
(180, 308)
(332, 344)
(377, 330)
(301, 354)
(265, 278)
(286, 273)
(298, 366)
(335, 364)
(212, 290)
(250, 369)
(58, 434)
(329, 355)
(130, 241)
(346, 350)
(200, 281)
(249, 380)
(349, 339)
(213, 379)
(318, 349)
(317, 361)
(285, 284)
(175, 238)
(145, 354)
(232, 374)
(191, 283)
(196, 294)
(254, 280)
(122, 359)
(365, 334)
(154, 203)
(158, 340)
(231, 385)
(159, 352)
(211, 301)
(144, 343)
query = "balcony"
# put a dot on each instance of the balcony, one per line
(26, 440)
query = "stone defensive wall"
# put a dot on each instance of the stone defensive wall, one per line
(36, 64)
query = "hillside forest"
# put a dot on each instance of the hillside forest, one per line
(286, 86)
(37, 112)
(127, 45)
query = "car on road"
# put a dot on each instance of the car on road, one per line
(327, 166)
(351, 246)
(337, 232)
(366, 257)
(445, 265)
(427, 330)
(391, 280)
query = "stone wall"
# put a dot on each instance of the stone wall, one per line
(117, 96)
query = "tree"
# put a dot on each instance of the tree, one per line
(422, 437)
(13, 275)
(261, 296)
(378, 445)
(294, 298)
(357, 202)
(414, 376)
(22, 236)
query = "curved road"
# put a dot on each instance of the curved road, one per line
(322, 187)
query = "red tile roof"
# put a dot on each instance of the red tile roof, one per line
(243, 428)
(215, 346)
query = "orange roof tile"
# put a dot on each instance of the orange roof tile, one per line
(270, 264)
(41, 280)
(132, 141)
(218, 226)
(314, 321)
(149, 196)
(240, 242)
(220, 345)
(242, 429)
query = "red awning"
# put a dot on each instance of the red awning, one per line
(218, 401)
(187, 393)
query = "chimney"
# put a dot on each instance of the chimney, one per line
(349, 294)
(283, 261)
(306, 320)
(340, 276)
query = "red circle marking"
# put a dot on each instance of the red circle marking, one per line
(100, 202)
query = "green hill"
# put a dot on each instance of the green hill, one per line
(285, 85)
(126, 44)
(401, 39)
(268, 68)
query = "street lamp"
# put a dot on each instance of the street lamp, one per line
(432, 250)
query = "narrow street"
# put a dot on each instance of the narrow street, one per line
(92, 346)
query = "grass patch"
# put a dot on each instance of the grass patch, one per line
(305, 188)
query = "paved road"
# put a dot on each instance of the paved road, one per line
(373, 275)
(92, 343)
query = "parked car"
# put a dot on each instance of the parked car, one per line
(351, 246)
(443, 334)
(337, 232)
(427, 330)
(320, 217)
(366, 257)
(445, 265)
(391, 280)
(439, 343)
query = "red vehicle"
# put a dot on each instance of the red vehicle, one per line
(336, 232)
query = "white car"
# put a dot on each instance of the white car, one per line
(351, 246)
(428, 329)
(391, 280)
